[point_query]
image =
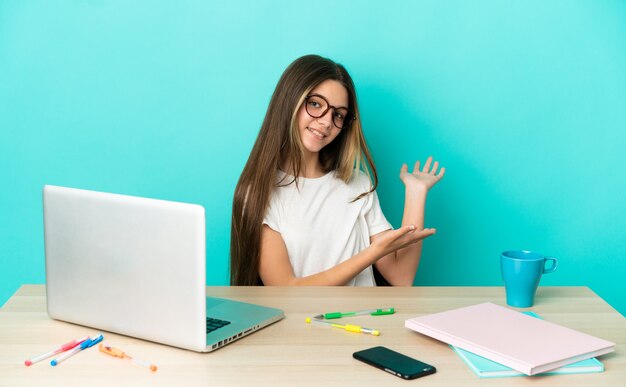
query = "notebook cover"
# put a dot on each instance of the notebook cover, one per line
(486, 368)
(524, 343)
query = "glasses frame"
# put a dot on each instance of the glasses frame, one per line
(350, 116)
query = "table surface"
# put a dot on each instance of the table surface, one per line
(291, 352)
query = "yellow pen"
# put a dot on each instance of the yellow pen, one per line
(347, 327)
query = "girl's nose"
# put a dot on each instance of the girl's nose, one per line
(326, 119)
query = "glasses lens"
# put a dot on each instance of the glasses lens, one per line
(341, 118)
(316, 106)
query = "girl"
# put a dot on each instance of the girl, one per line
(305, 211)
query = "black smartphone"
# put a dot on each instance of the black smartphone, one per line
(395, 363)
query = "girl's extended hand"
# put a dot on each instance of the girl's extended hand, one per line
(426, 178)
(391, 240)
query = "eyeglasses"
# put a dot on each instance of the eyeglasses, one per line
(317, 106)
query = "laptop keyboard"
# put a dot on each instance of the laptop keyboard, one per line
(213, 324)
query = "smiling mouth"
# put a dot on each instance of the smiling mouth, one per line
(316, 133)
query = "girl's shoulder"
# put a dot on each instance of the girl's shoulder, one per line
(361, 180)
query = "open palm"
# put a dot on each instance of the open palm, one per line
(426, 178)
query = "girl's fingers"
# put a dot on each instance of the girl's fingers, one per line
(402, 231)
(416, 167)
(429, 168)
(428, 232)
(410, 235)
(425, 233)
(435, 166)
(415, 237)
(408, 228)
(429, 160)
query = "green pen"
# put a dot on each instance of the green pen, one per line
(371, 312)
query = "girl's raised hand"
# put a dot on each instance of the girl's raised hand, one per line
(426, 178)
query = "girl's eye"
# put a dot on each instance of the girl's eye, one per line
(339, 115)
(314, 104)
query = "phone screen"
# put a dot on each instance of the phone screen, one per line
(395, 363)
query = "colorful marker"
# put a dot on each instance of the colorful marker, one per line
(119, 353)
(63, 348)
(90, 342)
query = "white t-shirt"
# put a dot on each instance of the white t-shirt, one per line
(320, 225)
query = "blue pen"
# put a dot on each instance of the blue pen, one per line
(90, 342)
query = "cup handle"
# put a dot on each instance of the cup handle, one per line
(552, 268)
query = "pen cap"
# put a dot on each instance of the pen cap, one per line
(382, 312)
(94, 341)
(111, 351)
(86, 343)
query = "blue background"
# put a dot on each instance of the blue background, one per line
(523, 102)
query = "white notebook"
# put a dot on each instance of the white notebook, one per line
(519, 341)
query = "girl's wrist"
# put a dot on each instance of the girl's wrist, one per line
(375, 252)
(416, 190)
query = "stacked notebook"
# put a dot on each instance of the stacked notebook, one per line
(486, 368)
(520, 342)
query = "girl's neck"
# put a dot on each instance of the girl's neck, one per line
(311, 166)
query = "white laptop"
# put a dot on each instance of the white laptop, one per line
(136, 267)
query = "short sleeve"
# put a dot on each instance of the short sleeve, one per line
(271, 217)
(376, 221)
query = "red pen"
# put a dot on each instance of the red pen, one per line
(63, 348)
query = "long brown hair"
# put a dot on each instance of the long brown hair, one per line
(279, 143)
